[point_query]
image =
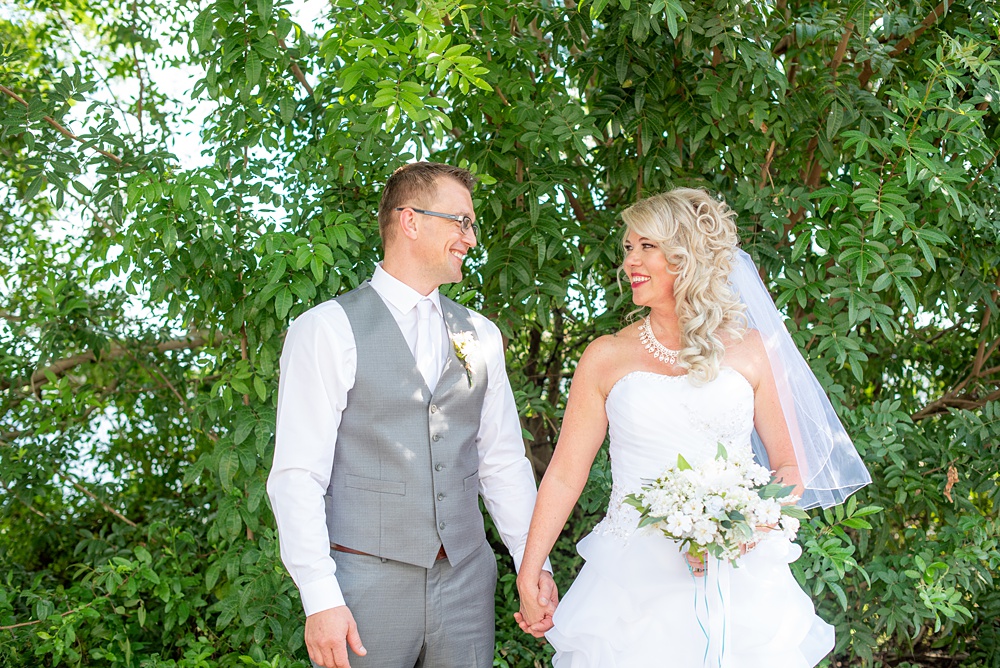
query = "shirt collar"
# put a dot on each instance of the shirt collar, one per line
(398, 293)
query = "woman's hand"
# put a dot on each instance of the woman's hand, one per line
(538, 603)
(696, 565)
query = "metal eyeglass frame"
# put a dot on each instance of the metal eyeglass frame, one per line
(464, 221)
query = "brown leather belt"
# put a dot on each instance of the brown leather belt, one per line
(349, 550)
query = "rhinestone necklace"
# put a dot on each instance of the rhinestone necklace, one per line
(656, 349)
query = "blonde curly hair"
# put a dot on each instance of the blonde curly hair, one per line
(697, 234)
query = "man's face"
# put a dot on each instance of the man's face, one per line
(441, 244)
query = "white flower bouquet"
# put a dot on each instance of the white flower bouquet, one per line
(716, 507)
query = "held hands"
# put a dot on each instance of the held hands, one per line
(326, 633)
(538, 604)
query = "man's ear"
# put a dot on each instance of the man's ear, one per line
(407, 223)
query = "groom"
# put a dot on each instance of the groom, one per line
(394, 414)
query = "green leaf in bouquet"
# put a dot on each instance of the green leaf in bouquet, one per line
(682, 463)
(694, 549)
(649, 519)
(775, 490)
(721, 452)
(796, 512)
(786, 490)
(769, 491)
(744, 531)
(737, 516)
(634, 501)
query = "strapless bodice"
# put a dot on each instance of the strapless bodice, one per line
(654, 417)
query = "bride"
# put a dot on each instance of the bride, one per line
(711, 363)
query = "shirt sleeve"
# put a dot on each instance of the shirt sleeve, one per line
(506, 477)
(318, 365)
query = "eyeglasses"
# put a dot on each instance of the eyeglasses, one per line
(464, 221)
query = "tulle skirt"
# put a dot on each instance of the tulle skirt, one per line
(636, 604)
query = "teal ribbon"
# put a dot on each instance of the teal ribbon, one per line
(701, 591)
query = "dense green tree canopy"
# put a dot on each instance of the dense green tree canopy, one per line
(146, 286)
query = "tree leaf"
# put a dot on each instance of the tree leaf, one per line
(229, 462)
(253, 68)
(283, 303)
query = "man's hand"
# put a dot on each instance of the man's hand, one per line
(536, 618)
(326, 633)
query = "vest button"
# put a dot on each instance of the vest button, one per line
(440, 496)
(434, 409)
(439, 467)
(441, 526)
(436, 437)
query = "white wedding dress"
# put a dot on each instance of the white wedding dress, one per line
(635, 603)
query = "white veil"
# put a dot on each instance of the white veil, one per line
(830, 467)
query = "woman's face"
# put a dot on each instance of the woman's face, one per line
(648, 272)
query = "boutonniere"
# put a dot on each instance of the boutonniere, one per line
(466, 346)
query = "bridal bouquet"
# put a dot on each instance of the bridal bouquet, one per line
(715, 507)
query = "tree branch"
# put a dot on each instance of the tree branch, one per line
(574, 203)
(838, 56)
(813, 171)
(296, 70)
(765, 171)
(63, 366)
(18, 497)
(244, 356)
(62, 614)
(981, 356)
(958, 396)
(928, 21)
(944, 403)
(984, 169)
(142, 86)
(58, 126)
(906, 42)
(84, 490)
(638, 161)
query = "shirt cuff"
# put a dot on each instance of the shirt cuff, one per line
(547, 566)
(321, 595)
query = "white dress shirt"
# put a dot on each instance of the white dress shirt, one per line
(318, 365)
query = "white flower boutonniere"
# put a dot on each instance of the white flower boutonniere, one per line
(466, 346)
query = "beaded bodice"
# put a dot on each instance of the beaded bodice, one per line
(653, 417)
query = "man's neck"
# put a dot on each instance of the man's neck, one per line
(401, 273)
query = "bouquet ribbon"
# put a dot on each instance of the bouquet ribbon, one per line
(712, 610)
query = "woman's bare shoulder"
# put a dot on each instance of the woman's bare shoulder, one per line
(747, 355)
(607, 353)
(601, 350)
(749, 341)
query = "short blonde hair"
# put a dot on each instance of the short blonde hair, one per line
(697, 234)
(415, 183)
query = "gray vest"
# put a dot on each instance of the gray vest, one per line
(405, 471)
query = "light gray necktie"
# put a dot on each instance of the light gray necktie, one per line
(428, 343)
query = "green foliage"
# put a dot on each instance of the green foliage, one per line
(146, 285)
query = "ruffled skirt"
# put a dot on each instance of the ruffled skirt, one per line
(635, 604)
